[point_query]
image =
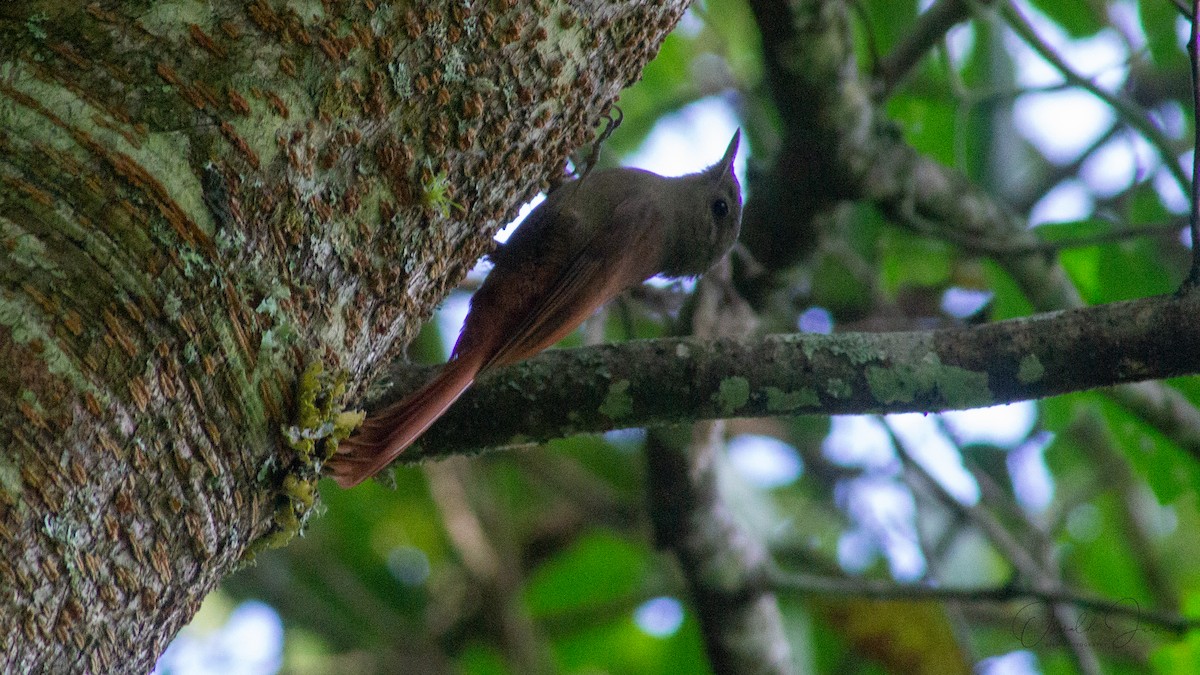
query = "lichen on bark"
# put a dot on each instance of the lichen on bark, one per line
(197, 201)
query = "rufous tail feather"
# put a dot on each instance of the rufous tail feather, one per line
(385, 434)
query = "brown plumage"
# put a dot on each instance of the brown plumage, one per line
(587, 242)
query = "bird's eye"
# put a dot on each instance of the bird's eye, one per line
(719, 208)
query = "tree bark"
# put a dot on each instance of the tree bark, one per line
(672, 381)
(215, 222)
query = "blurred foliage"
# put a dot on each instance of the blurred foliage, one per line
(538, 559)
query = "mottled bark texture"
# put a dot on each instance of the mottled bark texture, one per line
(199, 202)
(661, 382)
(726, 565)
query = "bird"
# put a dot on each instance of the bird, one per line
(588, 241)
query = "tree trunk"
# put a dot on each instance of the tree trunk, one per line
(217, 222)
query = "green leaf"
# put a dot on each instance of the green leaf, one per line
(1071, 229)
(913, 261)
(1159, 18)
(1182, 656)
(929, 124)
(1079, 19)
(598, 570)
(619, 646)
(1009, 300)
(837, 288)
(734, 34)
(1168, 470)
(1146, 207)
(482, 659)
(1102, 558)
(888, 22)
(1119, 271)
(1112, 271)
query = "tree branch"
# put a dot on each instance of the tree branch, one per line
(930, 28)
(657, 382)
(195, 206)
(875, 590)
(1032, 567)
(725, 565)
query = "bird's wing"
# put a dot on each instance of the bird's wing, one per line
(616, 256)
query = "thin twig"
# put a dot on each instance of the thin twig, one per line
(1121, 234)
(1133, 115)
(1115, 473)
(977, 515)
(1028, 566)
(935, 545)
(1193, 46)
(1187, 12)
(1024, 203)
(880, 590)
(868, 33)
(929, 28)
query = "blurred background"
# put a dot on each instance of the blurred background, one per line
(1073, 116)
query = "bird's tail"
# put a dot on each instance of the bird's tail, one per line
(385, 434)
